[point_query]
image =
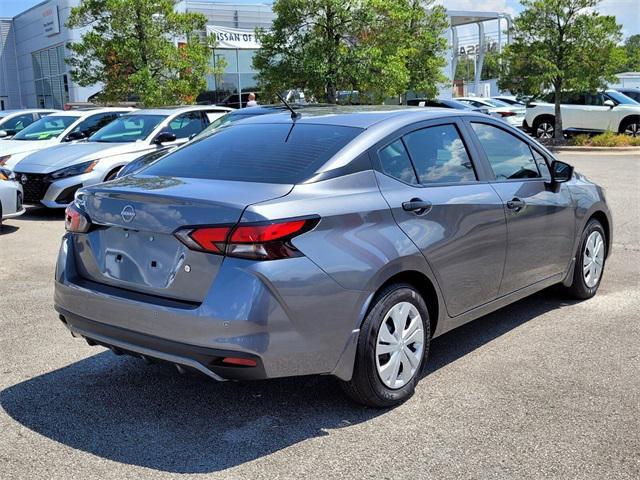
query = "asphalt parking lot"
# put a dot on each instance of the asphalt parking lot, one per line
(545, 388)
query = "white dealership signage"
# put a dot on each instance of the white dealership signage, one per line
(233, 37)
(50, 20)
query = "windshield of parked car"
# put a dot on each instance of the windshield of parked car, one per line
(128, 128)
(622, 99)
(219, 122)
(269, 153)
(46, 128)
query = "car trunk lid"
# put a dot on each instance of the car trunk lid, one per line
(132, 244)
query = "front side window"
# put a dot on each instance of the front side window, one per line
(396, 163)
(439, 155)
(510, 158)
(129, 128)
(46, 128)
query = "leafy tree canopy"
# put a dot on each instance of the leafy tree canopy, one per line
(561, 45)
(632, 53)
(130, 47)
(381, 47)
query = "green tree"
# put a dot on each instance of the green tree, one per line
(632, 53)
(560, 45)
(381, 47)
(131, 49)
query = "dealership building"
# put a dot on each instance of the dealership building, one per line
(32, 49)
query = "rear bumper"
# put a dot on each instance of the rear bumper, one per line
(292, 318)
(122, 341)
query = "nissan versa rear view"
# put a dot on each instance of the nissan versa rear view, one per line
(334, 241)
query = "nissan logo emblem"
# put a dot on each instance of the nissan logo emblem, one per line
(128, 213)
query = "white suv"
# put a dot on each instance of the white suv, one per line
(585, 112)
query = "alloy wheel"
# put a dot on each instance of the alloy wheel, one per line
(593, 259)
(633, 129)
(399, 345)
(545, 130)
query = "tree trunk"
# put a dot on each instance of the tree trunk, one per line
(332, 55)
(558, 135)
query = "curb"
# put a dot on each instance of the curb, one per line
(619, 150)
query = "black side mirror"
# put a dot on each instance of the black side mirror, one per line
(75, 136)
(561, 172)
(164, 137)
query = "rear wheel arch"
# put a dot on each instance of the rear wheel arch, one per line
(423, 284)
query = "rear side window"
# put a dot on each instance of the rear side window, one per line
(396, 163)
(439, 155)
(510, 157)
(269, 153)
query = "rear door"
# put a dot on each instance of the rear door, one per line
(440, 199)
(540, 216)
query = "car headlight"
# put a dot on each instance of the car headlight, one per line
(4, 159)
(6, 174)
(74, 170)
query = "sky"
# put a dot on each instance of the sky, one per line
(627, 12)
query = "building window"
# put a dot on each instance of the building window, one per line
(52, 85)
(239, 75)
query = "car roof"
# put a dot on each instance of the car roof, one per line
(181, 109)
(27, 110)
(85, 112)
(356, 116)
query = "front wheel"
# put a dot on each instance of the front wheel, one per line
(590, 262)
(632, 128)
(393, 345)
(544, 128)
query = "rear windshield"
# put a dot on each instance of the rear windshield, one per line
(269, 153)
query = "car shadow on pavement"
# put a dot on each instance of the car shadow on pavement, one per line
(7, 229)
(34, 213)
(123, 410)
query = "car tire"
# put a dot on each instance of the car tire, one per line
(544, 127)
(407, 355)
(631, 127)
(590, 262)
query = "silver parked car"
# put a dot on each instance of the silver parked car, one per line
(326, 242)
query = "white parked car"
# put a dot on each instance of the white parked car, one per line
(512, 114)
(51, 177)
(585, 112)
(54, 129)
(10, 195)
(13, 121)
(510, 99)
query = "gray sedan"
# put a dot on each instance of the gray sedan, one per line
(332, 242)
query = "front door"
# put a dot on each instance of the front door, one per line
(428, 178)
(540, 216)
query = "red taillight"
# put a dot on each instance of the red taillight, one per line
(76, 221)
(245, 362)
(258, 241)
(211, 239)
(507, 114)
(266, 233)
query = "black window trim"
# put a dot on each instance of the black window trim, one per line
(517, 134)
(479, 170)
